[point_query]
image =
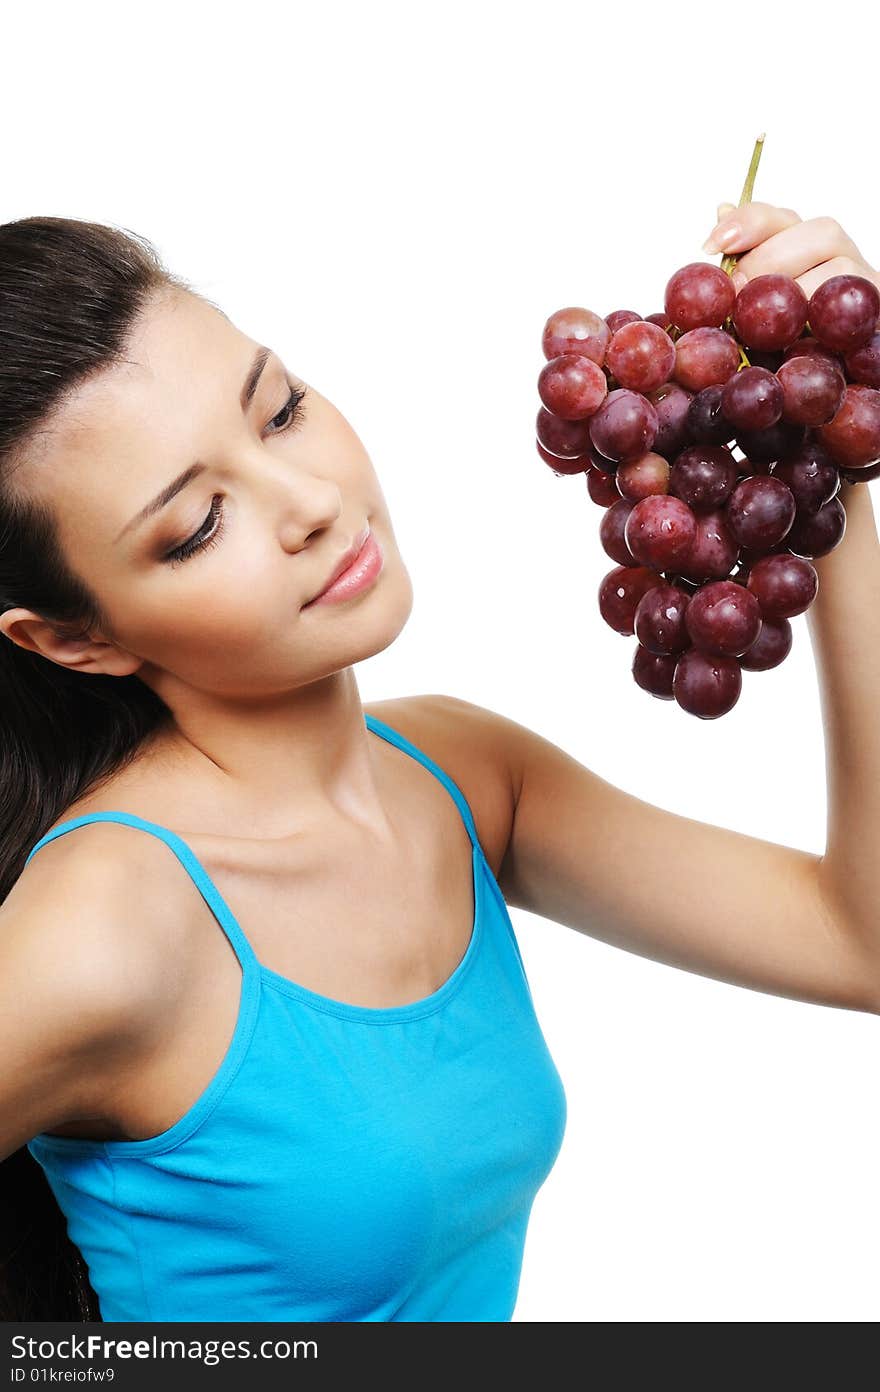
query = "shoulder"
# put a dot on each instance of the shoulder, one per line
(91, 882)
(469, 731)
(99, 901)
(86, 980)
(476, 746)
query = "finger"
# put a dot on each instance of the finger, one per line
(797, 249)
(748, 225)
(838, 265)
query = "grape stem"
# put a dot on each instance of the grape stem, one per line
(728, 262)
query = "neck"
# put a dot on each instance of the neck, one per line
(300, 761)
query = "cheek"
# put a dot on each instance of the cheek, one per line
(216, 604)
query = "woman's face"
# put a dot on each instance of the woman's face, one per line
(284, 489)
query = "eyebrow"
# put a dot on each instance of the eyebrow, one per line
(176, 485)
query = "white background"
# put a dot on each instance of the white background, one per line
(395, 197)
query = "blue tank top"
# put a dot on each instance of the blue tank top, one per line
(345, 1162)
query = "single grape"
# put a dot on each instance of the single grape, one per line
(706, 424)
(714, 550)
(602, 487)
(770, 312)
(760, 511)
(661, 318)
(706, 686)
(579, 464)
(611, 532)
(641, 356)
(852, 438)
(573, 465)
(572, 386)
(843, 312)
(783, 585)
(723, 618)
(654, 672)
(772, 646)
(809, 345)
(640, 478)
(660, 620)
(619, 594)
(699, 295)
(624, 426)
(703, 476)
(704, 357)
(752, 399)
(812, 388)
(672, 404)
(569, 439)
(618, 317)
(777, 442)
(576, 330)
(811, 474)
(818, 533)
(660, 531)
(863, 364)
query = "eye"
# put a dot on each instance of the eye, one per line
(290, 412)
(212, 528)
(208, 534)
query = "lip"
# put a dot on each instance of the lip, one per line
(360, 565)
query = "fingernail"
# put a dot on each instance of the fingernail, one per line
(723, 210)
(722, 237)
(739, 279)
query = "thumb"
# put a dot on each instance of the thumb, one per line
(724, 209)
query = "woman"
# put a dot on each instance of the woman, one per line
(348, 1115)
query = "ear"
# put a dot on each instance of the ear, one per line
(83, 654)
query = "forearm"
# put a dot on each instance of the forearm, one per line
(844, 627)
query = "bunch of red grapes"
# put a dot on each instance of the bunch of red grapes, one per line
(715, 435)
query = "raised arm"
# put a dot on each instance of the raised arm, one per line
(709, 900)
(700, 897)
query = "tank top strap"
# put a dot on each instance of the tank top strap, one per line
(394, 737)
(188, 859)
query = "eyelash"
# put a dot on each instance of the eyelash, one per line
(204, 537)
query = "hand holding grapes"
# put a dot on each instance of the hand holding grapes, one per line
(767, 240)
(716, 433)
(775, 241)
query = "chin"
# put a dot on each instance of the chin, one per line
(391, 609)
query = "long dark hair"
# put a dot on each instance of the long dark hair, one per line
(70, 292)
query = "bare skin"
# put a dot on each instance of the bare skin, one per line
(293, 896)
(299, 812)
(268, 728)
(296, 810)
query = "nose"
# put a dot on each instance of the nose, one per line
(310, 505)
